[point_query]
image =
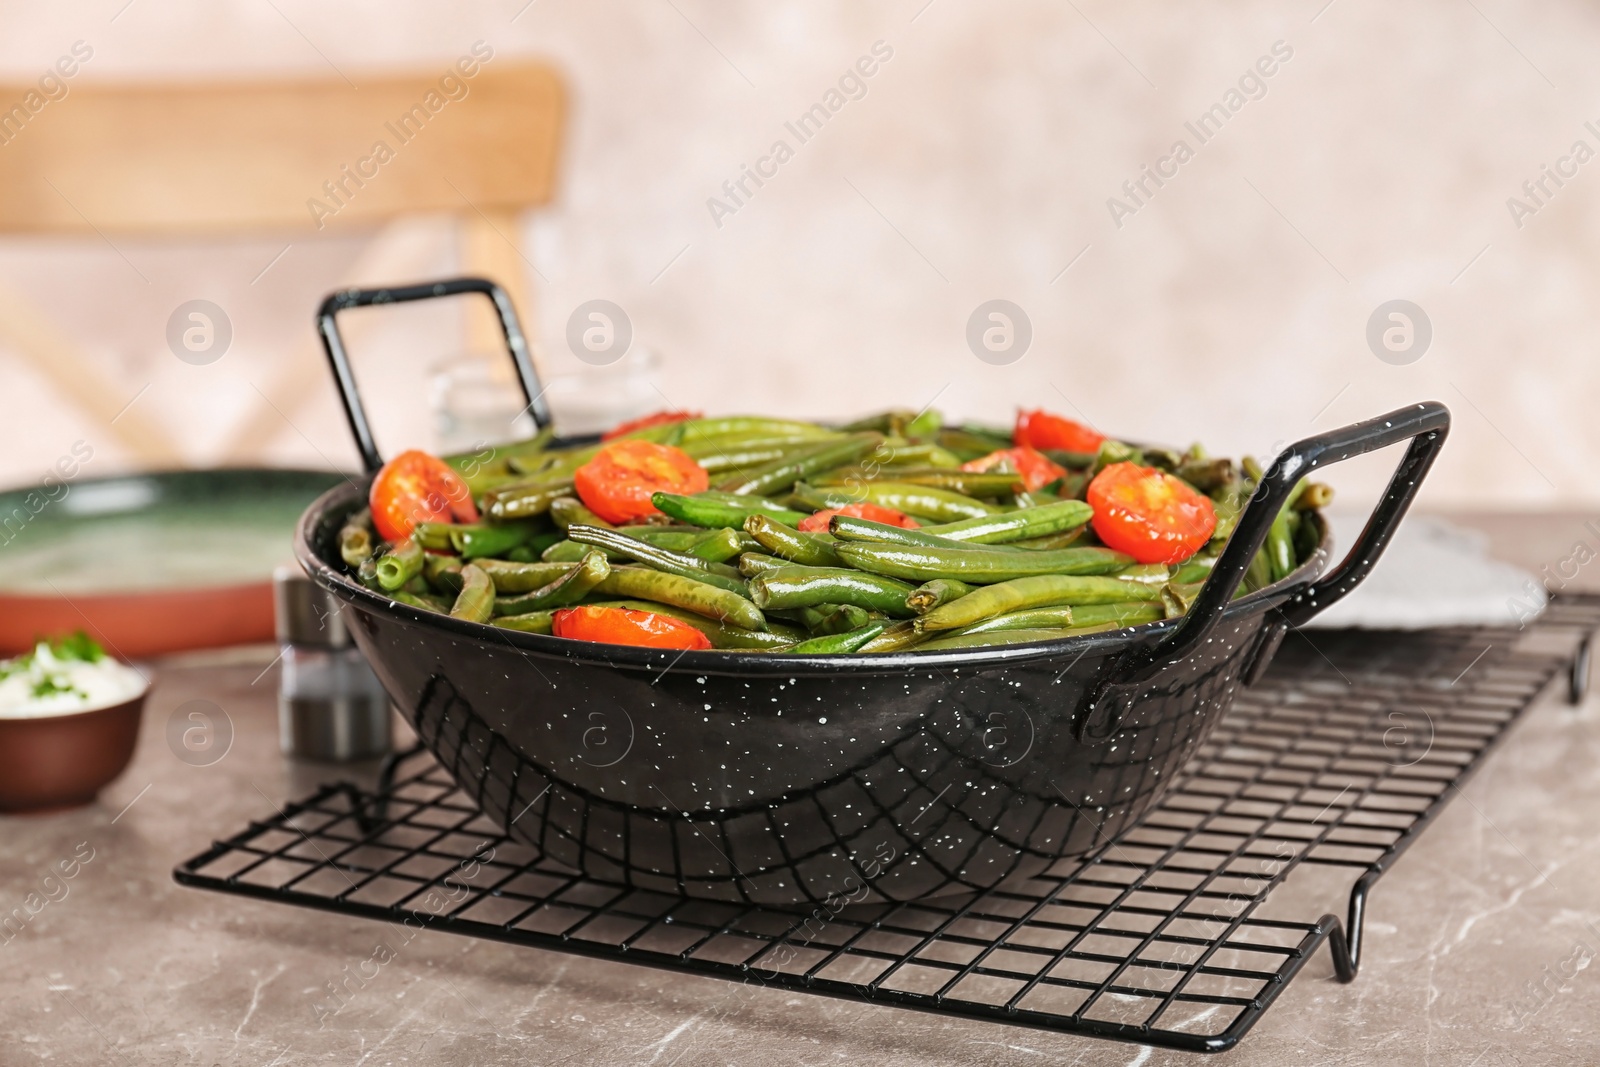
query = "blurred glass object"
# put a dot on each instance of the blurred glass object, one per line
(476, 402)
(597, 398)
(330, 704)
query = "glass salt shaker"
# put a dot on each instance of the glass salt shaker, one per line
(330, 704)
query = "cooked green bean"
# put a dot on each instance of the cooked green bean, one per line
(534, 622)
(443, 575)
(782, 473)
(977, 566)
(367, 574)
(700, 429)
(475, 602)
(896, 637)
(923, 501)
(1315, 496)
(476, 540)
(642, 583)
(570, 511)
(400, 564)
(968, 483)
(805, 587)
(1063, 616)
(1197, 569)
(754, 563)
(355, 538)
(522, 500)
(511, 577)
(834, 618)
(565, 590)
(682, 564)
(432, 536)
(704, 509)
(1025, 523)
(999, 637)
(808, 549)
(424, 601)
(940, 591)
(1034, 592)
(836, 644)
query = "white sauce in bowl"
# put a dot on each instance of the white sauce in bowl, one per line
(41, 683)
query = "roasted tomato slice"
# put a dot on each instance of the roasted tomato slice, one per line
(1149, 514)
(618, 482)
(1040, 429)
(659, 418)
(415, 487)
(625, 626)
(818, 522)
(1034, 470)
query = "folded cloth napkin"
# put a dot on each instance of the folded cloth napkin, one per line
(1432, 574)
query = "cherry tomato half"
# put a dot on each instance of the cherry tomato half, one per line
(625, 626)
(618, 482)
(415, 487)
(659, 418)
(818, 522)
(1149, 514)
(1034, 470)
(1040, 429)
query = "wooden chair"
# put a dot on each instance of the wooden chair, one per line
(477, 141)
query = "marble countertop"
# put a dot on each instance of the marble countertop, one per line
(1477, 951)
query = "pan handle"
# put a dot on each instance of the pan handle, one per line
(356, 412)
(1425, 425)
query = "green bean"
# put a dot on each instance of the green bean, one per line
(1060, 540)
(534, 622)
(1023, 524)
(808, 549)
(522, 500)
(642, 583)
(1195, 569)
(683, 565)
(705, 510)
(1207, 475)
(1259, 574)
(923, 501)
(1063, 616)
(400, 564)
(782, 473)
(978, 566)
(475, 540)
(882, 421)
(713, 546)
(511, 577)
(433, 536)
(1145, 574)
(355, 538)
(1178, 597)
(896, 637)
(367, 574)
(836, 644)
(423, 601)
(1033, 592)
(1316, 495)
(971, 443)
(940, 591)
(1115, 452)
(1003, 637)
(754, 563)
(805, 587)
(970, 483)
(569, 511)
(443, 574)
(775, 636)
(475, 602)
(834, 618)
(850, 528)
(733, 458)
(700, 429)
(567, 589)
(1073, 461)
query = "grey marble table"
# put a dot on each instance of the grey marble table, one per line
(1478, 943)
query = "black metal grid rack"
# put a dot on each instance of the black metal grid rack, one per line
(1341, 756)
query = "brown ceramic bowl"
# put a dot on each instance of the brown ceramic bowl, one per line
(49, 762)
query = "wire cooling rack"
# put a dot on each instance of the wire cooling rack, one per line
(1340, 757)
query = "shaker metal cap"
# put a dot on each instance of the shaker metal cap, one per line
(304, 613)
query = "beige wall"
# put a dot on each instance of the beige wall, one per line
(1232, 307)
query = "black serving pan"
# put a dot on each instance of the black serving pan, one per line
(784, 779)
